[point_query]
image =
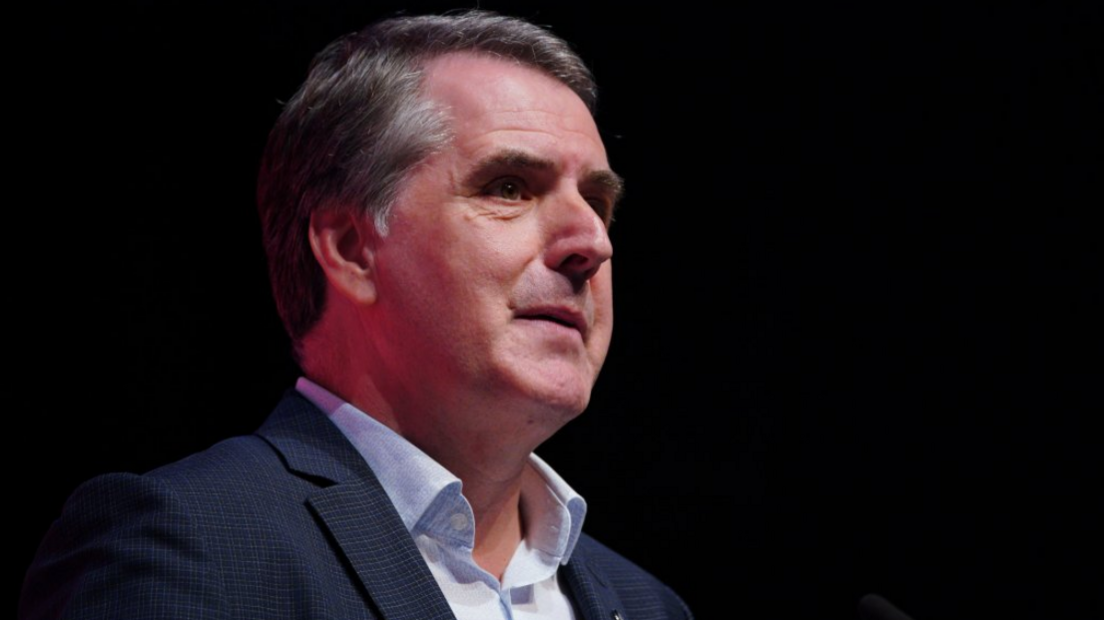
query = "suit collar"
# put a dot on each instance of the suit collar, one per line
(310, 444)
(383, 554)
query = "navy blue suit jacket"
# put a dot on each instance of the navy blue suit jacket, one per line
(287, 523)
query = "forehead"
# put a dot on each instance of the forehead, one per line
(491, 100)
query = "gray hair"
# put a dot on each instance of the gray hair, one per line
(359, 124)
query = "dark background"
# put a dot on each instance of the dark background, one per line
(858, 284)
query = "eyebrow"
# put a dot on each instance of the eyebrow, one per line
(514, 159)
(610, 181)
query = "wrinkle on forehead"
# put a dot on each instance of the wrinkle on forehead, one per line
(477, 88)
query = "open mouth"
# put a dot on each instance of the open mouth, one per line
(548, 317)
(560, 316)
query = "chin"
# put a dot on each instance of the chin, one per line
(563, 400)
(543, 423)
(553, 391)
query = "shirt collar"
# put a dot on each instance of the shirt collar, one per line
(423, 492)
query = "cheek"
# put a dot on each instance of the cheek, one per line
(483, 247)
(468, 285)
(601, 287)
(602, 290)
(495, 265)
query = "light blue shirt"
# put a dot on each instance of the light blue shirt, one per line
(430, 501)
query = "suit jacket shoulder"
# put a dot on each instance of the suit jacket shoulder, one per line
(287, 523)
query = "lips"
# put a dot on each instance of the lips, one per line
(562, 315)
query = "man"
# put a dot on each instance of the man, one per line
(435, 203)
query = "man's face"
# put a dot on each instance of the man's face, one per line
(494, 285)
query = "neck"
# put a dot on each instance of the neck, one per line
(499, 527)
(492, 487)
(491, 473)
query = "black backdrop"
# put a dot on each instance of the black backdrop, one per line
(857, 274)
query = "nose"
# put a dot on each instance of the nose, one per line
(578, 239)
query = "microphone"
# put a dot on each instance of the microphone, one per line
(874, 607)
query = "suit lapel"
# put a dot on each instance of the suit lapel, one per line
(590, 588)
(356, 512)
(384, 556)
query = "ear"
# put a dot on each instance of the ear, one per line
(344, 245)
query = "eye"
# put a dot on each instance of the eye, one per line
(509, 188)
(602, 207)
